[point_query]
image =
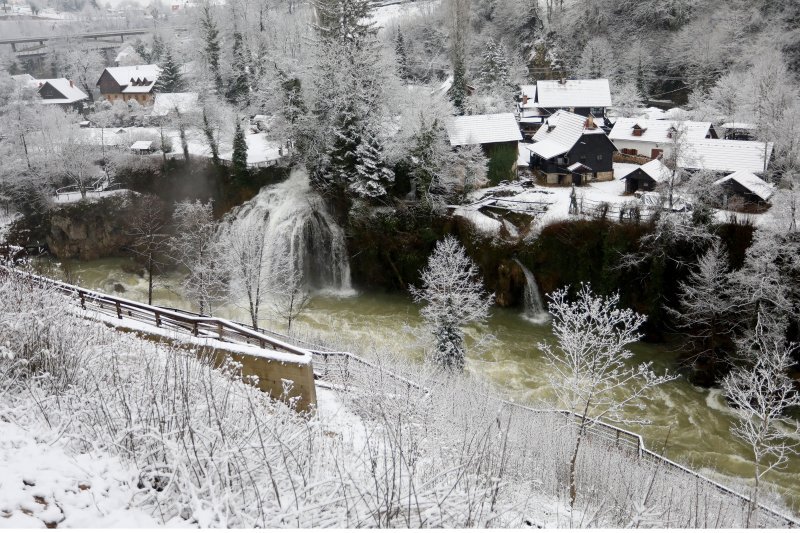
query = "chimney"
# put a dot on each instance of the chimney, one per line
(562, 80)
(71, 84)
(590, 125)
(524, 99)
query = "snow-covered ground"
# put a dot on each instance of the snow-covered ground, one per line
(45, 484)
(260, 149)
(72, 197)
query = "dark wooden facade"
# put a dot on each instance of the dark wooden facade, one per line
(639, 180)
(734, 191)
(593, 150)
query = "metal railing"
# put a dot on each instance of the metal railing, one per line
(341, 368)
(325, 364)
(160, 317)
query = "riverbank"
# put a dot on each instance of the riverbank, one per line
(695, 418)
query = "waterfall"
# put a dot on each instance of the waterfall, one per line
(297, 226)
(534, 307)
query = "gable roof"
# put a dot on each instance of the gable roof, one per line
(68, 90)
(656, 131)
(166, 103)
(134, 79)
(570, 93)
(559, 133)
(23, 78)
(751, 182)
(726, 155)
(483, 129)
(657, 170)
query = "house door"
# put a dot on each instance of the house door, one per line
(655, 153)
(577, 179)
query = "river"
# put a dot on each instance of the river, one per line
(698, 417)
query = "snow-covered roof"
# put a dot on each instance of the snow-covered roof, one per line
(657, 170)
(136, 78)
(483, 129)
(524, 155)
(559, 133)
(22, 78)
(751, 182)
(569, 93)
(656, 131)
(142, 145)
(738, 126)
(726, 155)
(576, 167)
(66, 87)
(166, 103)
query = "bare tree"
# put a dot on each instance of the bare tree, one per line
(454, 296)
(149, 236)
(245, 259)
(674, 158)
(591, 362)
(289, 297)
(761, 394)
(194, 247)
(78, 163)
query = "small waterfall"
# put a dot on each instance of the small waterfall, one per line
(298, 226)
(534, 307)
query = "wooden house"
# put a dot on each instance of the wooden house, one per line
(61, 91)
(129, 83)
(651, 138)
(742, 188)
(571, 149)
(647, 177)
(582, 97)
(497, 134)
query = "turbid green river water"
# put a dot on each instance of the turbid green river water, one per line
(698, 417)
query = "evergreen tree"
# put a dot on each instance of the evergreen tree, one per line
(372, 178)
(158, 49)
(212, 47)
(345, 21)
(239, 157)
(238, 90)
(342, 155)
(170, 79)
(402, 57)
(459, 91)
(494, 73)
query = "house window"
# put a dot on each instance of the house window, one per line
(599, 157)
(596, 111)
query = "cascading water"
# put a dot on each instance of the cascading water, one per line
(299, 233)
(534, 307)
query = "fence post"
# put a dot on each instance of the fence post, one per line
(158, 319)
(119, 310)
(194, 328)
(219, 330)
(83, 300)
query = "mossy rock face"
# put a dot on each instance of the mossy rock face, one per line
(90, 229)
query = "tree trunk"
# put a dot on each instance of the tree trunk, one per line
(150, 280)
